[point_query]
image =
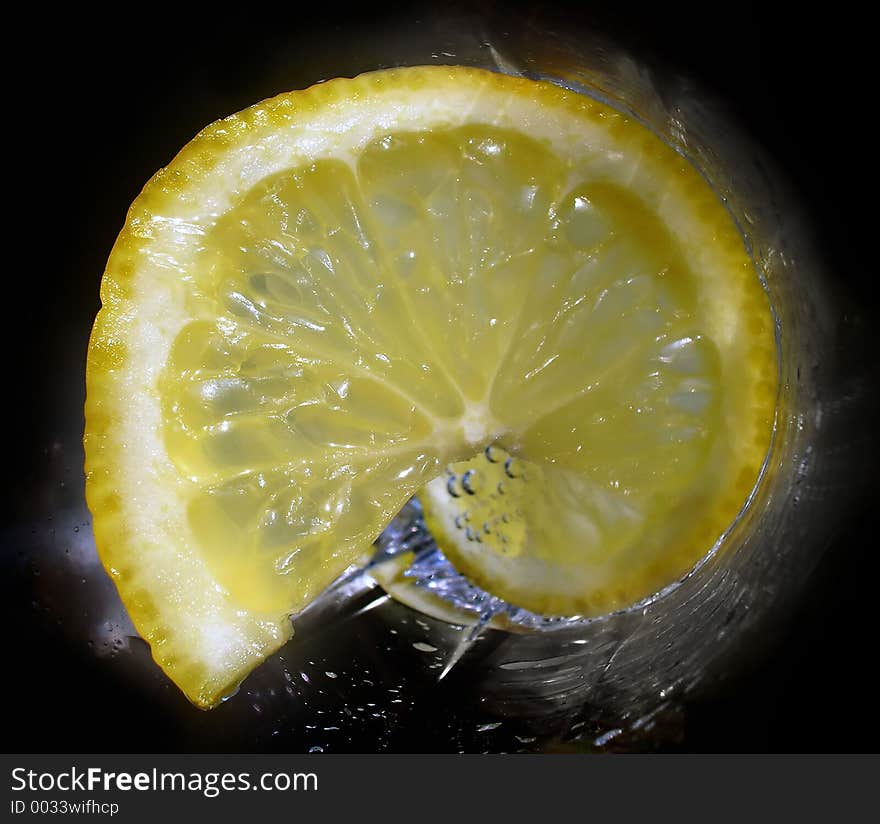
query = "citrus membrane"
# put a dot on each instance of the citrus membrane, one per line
(328, 299)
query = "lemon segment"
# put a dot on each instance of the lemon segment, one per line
(326, 299)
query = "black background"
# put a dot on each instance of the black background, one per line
(98, 105)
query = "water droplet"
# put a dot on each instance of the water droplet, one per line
(494, 454)
(421, 646)
(488, 727)
(470, 534)
(331, 674)
(501, 488)
(316, 749)
(606, 737)
(452, 486)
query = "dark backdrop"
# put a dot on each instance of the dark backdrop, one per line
(95, 107)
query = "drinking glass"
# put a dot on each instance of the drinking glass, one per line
(366, 671)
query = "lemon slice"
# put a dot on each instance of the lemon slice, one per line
(328, 298)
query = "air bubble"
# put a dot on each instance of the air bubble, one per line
(494, 454)
(513, 468)
(472, 482)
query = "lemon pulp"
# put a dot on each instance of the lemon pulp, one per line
(329, 298)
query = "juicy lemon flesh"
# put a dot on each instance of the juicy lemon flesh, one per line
(356, 320)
